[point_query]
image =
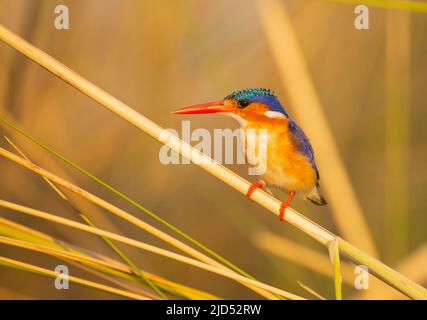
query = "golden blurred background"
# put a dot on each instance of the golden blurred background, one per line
(364, 112)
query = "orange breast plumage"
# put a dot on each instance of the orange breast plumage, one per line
(287, 168)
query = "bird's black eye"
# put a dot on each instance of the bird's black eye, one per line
(244, 103)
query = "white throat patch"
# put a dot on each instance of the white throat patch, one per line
(241, 121)
(274, 115)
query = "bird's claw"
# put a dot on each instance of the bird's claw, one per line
(252, 188)
(283, 207)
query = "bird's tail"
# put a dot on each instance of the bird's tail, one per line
(316, 197)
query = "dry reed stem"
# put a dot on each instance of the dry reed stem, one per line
(313, 292)
(8, 230)
(146, 247)
(55, 247)
(409, 266)
(65, 254)
(40, 238)
(309, 112)
(304, 256)
(89, 222)
(44, 160)
(28, 231)
(50, 273)
(122, 214)
(301, 255)
(384, 272)
(334, 256)
(100, 274)
(87, 260)
(227, 176)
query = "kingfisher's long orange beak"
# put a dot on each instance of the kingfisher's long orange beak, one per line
(211, 107)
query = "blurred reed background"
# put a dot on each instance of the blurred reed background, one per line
(362, 103)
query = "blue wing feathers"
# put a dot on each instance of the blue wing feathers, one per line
(302, 143)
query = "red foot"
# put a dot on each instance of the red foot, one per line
(284, 205)
(252, 188)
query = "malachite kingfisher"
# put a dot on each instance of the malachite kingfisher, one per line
(291, 166)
